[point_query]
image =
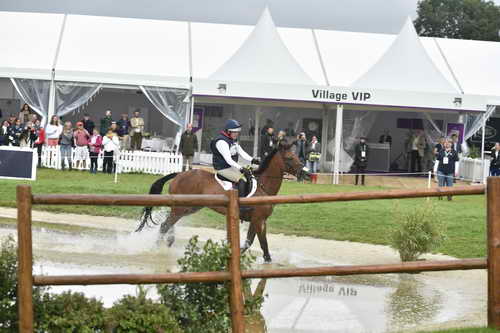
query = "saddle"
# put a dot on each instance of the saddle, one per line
(229, 185)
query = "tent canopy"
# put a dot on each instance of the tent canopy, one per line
(261, 62)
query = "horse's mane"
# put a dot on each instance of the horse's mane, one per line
(265, 163)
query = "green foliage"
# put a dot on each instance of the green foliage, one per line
(71, 312)
(204, 307)
(474, 152)
(420, 231)
(139, 314)
(8, 288)
(462, 19)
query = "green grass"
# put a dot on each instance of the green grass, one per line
(361, 221)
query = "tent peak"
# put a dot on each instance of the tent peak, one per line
(263, 57)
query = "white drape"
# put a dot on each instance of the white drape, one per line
(431, 129)
(72, 95)
(473, 123)
(172, 103)
(36, 93)
(356, 124)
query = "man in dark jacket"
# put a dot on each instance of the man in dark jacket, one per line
(123, 131)
(187, 147)
(88, 124)
(446, 166)
(301, 147)
(361, 160)
(267, 143)
(106, 123)
(495, 160)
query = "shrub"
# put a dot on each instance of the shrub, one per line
(8, 288)
(71, 312)
(139, 314)
(420, 230)
(204, 307)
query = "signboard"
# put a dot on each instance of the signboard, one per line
(455, 128)
(17, 163)
(491, 135)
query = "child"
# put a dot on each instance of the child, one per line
(110, 143)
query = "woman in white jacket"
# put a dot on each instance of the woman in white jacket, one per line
(53, 131)
(111, 144)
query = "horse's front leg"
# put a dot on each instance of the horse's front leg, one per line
(250, 238)
(263, 243)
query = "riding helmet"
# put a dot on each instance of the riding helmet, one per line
(232, 126)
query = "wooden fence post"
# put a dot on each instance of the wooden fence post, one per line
(25, 259)
(493, 206)
(233, 236)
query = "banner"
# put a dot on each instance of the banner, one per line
(17, 163)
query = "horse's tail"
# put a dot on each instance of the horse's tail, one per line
(156, 188)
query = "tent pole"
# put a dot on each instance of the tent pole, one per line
(52, 99)
(256, 132)
(324, 137)
(338, 139)
(482, 147)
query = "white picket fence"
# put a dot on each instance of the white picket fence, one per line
(472, 169)
(127, 161)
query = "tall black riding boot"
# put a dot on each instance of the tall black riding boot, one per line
(242, 184)
(363, 180)
(356, 177)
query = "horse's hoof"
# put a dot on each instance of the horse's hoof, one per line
(170, 241)
(267, 259)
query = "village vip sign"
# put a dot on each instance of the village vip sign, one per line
(17, 163)
(352, 96)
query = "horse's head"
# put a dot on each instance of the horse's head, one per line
(291, 162)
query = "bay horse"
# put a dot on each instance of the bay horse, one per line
(269, 178)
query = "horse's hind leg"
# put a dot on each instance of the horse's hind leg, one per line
(175, 215)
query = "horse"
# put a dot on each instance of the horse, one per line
(269, 176)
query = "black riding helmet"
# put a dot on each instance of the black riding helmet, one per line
(232, 126)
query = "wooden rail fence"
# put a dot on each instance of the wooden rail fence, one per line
(26, 279)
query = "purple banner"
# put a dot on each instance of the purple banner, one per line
(455, 128)
(197, 119)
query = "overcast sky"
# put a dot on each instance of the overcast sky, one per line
(382, 16)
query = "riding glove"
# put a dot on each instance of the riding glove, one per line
(255, 161)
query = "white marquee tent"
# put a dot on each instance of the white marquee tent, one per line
(57, 62)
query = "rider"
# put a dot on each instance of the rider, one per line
(225, 152)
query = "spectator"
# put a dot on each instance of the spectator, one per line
(15, 133)
(301, 146)
(495, 160)
(187, 147)
(114, 127)
(106, 122)
(267, 143)
(361, 154)
(12, 120)
(28, 135)
(81, 145)
(456, 146)
(53, 132)
(95, 144)
(446, 166)
(24, 114)
(110, 143)
(137, 124)
(439, 146)
(4, 133)
(281, 137)
(66, 142)
(418, 144)
(88, 124)
(34, 118)
(313, 155)
(123, 132)
(40, 140)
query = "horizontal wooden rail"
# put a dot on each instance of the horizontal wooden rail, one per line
(408, 267)
(353, 196)
(131, 200)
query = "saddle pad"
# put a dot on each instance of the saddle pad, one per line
(227, 185)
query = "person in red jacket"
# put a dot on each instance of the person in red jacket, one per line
(95, 144)
(40, 140)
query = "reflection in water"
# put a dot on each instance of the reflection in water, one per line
(410, 304)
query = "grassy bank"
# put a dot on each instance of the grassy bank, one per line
(363, 221)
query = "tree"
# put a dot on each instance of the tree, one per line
(462, 19)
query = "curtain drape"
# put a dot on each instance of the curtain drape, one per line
(473, 123)
(173, 103)
(72, 95)
(431, 129)
(356, 124)
(36, 93)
